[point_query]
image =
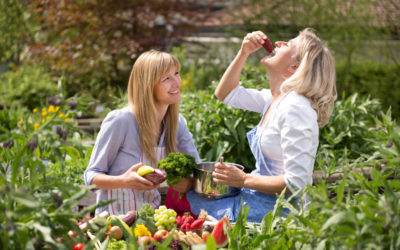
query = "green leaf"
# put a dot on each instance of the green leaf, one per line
(26, 200)
(45, 231)
(104, 245)
(211, 245)
(340, 189)
(336, 219)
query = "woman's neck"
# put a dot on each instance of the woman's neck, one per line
(275, 82)
(160, 113)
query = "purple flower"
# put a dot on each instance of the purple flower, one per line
(73, 104)
(54, 100)
(57, 199)
(32, 144)
(61, 133)
(8, 144)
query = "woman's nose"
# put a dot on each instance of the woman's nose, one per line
(177, 80)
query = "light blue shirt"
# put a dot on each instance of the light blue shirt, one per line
(117, 146)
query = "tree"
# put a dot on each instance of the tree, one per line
(349, 26)
(101, 39)
(16, 30)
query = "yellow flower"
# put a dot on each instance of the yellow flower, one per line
(20, 122)
(141, 230)
(34, 110)
(48, 117)
(44, 112)
(43, 120)
(67, 119)
(61, 115)
(51, 109)
(36, 126)
(57, 109)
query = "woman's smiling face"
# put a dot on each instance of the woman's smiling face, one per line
(284, 57)
(167, 90)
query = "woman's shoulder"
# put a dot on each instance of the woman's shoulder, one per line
(181, 120)
(297, 103)
(124, 115)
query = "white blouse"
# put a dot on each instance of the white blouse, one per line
(289, 138)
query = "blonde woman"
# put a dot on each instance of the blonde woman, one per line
(300, 100)
(144, 132)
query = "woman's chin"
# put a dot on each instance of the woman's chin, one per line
(265, 60)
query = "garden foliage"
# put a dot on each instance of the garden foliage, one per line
(42, 159)
(27, 86)
(43, 162)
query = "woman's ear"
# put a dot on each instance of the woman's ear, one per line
(292, 68)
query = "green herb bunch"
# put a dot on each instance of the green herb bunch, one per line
(177, 166)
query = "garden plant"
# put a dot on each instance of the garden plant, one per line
(59, 59)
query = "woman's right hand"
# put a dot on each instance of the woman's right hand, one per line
(134, 181)
(252, 42)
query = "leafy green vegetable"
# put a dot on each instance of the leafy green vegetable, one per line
(148, 222)
(177, 166)
(145, 217)
(117, 245)
(146, 211)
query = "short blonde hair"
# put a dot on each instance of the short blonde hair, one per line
(315, 77)
(146, 73)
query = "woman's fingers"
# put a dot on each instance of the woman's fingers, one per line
(143, 181)
(136, 166)
(256, 38)
(145, 185)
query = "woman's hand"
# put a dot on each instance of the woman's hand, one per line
(229, 175)
(132, 180)
(252, 42)
(184, 186)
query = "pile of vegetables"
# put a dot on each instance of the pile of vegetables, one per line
(147, 229)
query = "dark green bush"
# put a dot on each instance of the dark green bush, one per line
(28, 85)
(375, 79)
(354, 133)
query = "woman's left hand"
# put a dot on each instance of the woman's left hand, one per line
(229, 175)
(184, 186)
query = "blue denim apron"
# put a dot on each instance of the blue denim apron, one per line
(259, 203)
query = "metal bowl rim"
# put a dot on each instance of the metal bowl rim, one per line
(212, 162)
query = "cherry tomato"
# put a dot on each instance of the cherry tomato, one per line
(79, 246)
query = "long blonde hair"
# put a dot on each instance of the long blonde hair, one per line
(146, 73)
(315, 77)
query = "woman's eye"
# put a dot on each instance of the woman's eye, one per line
(165, 79)
(176, 73)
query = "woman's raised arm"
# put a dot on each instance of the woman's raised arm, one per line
(230, 80)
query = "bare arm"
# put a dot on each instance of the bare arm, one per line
(230, 79)
(230, 175)
(266, 184)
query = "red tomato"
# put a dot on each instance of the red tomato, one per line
(88, 218)
(79, 246)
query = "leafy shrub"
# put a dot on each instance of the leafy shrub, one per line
(27, 85)
(379, 80)
(42, 163)
(202, 66)
(354, 132)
